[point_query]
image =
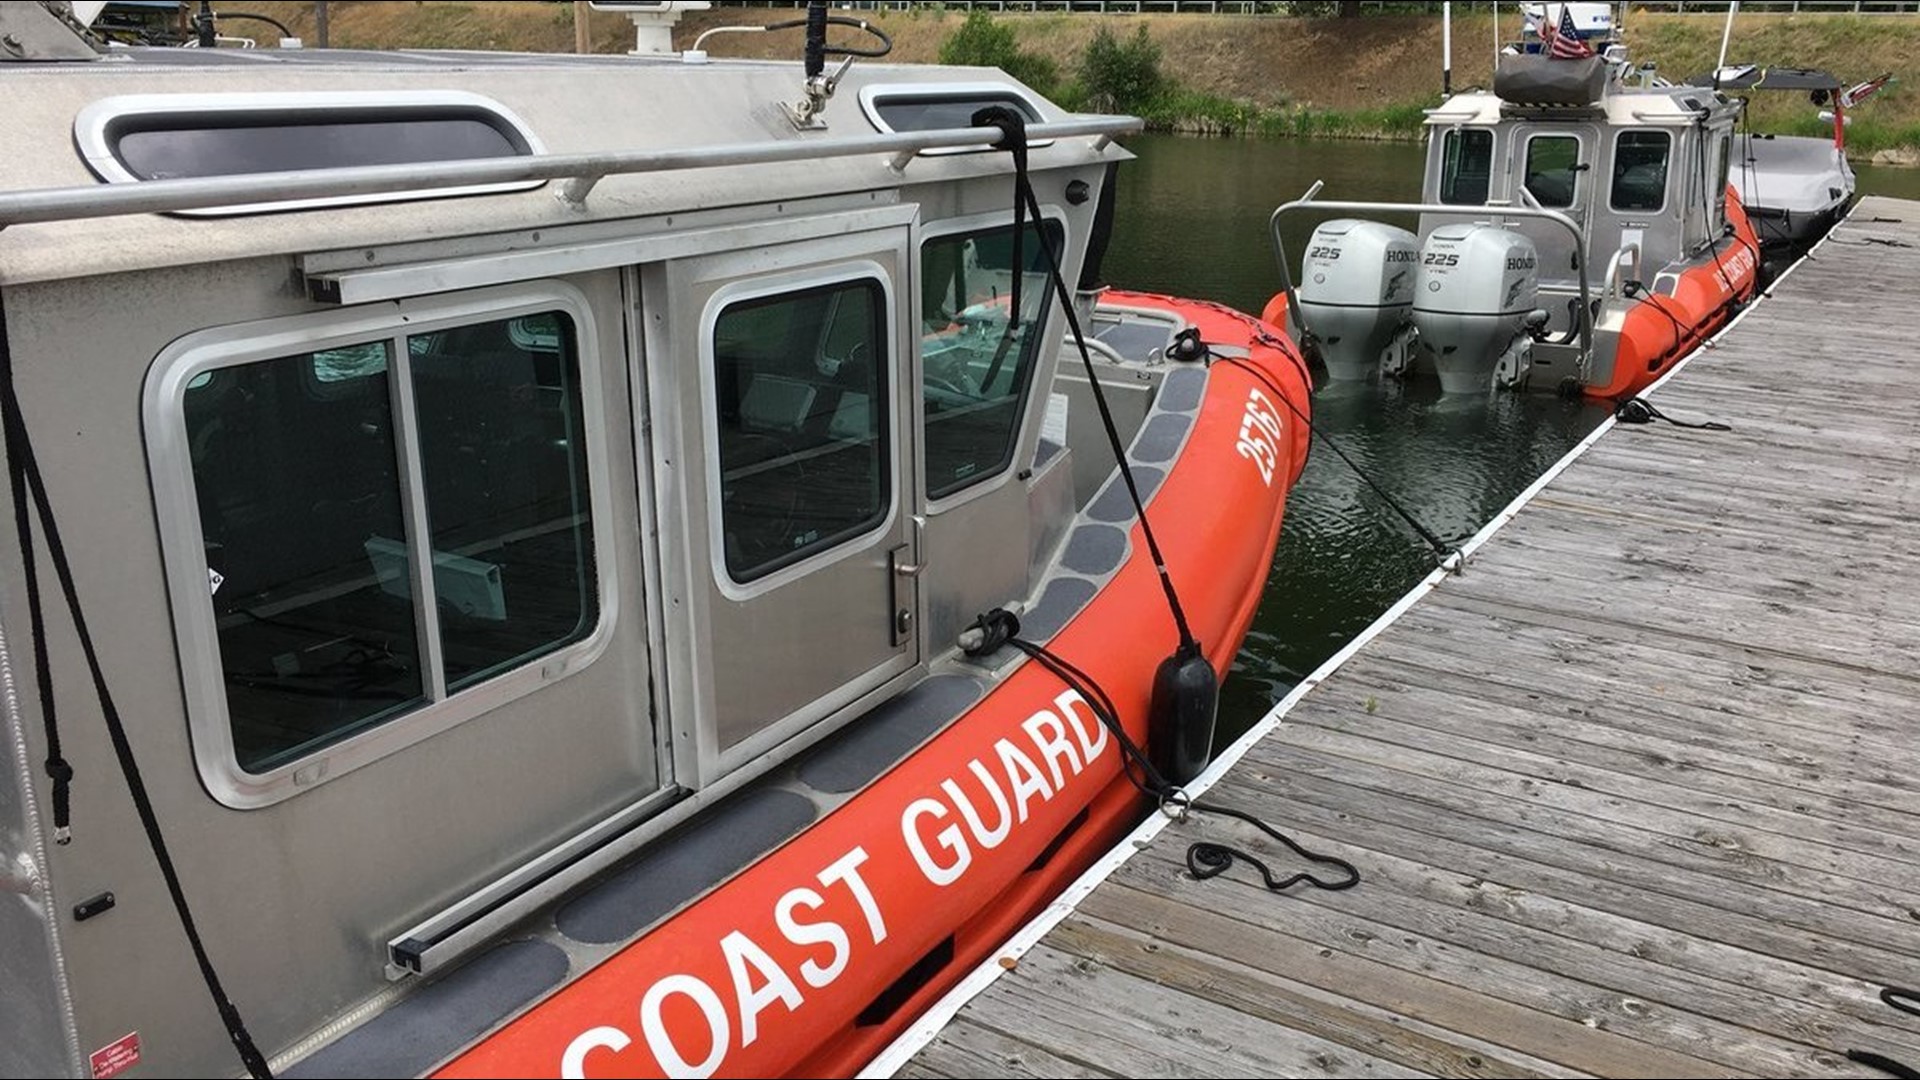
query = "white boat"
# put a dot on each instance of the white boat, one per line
(1795, 187)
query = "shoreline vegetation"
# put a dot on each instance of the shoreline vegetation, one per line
(1305, 76)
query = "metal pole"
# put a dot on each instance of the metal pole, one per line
(1446, 49)
(320, 35)
(1725, 35)
(582, 29)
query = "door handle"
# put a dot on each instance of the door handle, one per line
(903, 594)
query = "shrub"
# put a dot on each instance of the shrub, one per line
(1122, 76)
(982, 41)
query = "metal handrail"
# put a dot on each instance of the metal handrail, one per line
(581, 171)
(1308, 201)
(1610, 288)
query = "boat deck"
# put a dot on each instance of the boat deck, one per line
(1638, 794)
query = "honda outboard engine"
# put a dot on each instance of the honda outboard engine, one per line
(1473, 304)
(1356, 285)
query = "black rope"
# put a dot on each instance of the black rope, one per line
(1641, 411)
(1907, 1001)
(268, 19)
(1443, 552)
(18, 451)
(1013, 138)
(1713, 245)
(29, 486)
(1884, 1063)
(1205, 859)
(1640, 294)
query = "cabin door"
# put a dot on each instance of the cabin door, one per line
(782, 452)
(1556, 165)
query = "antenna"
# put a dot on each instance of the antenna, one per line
(1732, 10)
(1446, 49)
(204, 33)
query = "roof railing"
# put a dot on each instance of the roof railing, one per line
(581, 172)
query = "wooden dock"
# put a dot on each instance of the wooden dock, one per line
(1638, 794)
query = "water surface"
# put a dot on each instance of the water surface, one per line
(1191, 219)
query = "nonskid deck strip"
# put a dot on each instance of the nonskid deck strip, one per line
(1698, 852)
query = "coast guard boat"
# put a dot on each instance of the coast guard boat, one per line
(1577, 234)
(516, 559)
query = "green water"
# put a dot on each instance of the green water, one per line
(1191, 219)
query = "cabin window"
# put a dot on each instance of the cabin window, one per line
(941, 106)
(801, 393)
(976, 368)
(1717, 197)
(1552, 168)
(1640, 170)
(138, 137)
(1466, 166)
(326, 482)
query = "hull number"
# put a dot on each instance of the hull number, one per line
(1260, 435)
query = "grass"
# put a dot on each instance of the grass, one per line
(1353, 78)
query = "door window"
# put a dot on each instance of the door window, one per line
(802, 421)
(1552, 169)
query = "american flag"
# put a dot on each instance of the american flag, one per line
(1562, 42)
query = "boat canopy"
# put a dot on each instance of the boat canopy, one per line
(1757, 77)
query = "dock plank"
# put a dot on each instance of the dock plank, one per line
(1689, 934)
(1541, 941)
(1637, 794)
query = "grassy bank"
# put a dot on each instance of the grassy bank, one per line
(1357, 78)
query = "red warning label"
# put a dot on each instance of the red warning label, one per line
(116, 1057)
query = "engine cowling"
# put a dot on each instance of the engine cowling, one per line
(1356, 287)
(1477, 292)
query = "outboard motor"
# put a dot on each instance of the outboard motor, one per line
(1356, 284)
(1474, 303)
